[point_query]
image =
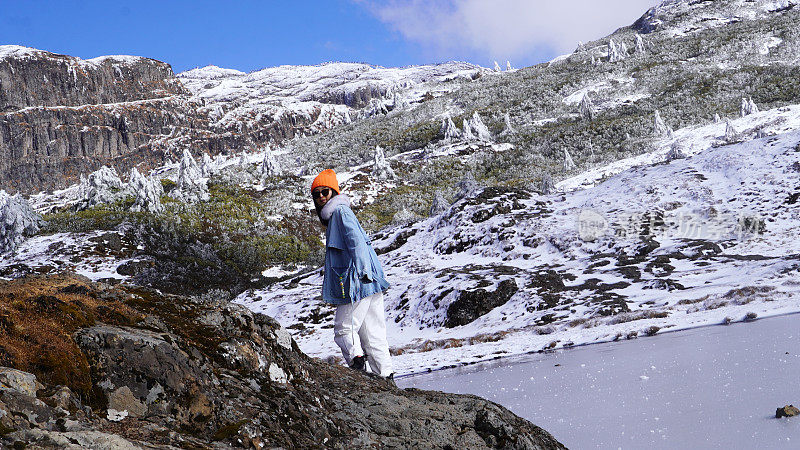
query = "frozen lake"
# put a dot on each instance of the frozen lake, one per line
(712, 387)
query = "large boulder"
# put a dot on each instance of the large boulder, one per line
(201, 372)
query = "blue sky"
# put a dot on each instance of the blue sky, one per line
(249, 35)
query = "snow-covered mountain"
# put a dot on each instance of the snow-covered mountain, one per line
(645, 182)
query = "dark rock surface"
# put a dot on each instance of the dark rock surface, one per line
(786, 411)
(168, 371)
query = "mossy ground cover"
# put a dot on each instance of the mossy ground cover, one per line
(38, 316)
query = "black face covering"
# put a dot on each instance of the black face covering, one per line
(319, 208)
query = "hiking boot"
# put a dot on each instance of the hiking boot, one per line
(359, 363)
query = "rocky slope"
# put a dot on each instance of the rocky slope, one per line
(62, 117)
(101, 367)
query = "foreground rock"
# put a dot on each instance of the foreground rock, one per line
(128, 368)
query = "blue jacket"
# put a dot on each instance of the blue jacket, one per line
(352, 269)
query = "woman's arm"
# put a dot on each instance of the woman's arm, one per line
(354, 241)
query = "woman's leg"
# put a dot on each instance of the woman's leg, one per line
(373, 336)
(349, 318)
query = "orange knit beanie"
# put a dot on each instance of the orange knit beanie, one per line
(326, 178)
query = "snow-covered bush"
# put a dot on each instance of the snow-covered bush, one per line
(467, 186)
(640, 49)
(270, 166)
(17, 220)
(467, 131)
(507, 121)
(449, 129)
(676, 152)
(207, 166)
(748, 107)
(477, 127)
(191, 186)
(660, 129)
(569, 164)
(439, 204)
(586, 108)
(731, 135)
(146, 192)
(497, 67)
(103, 186)
(546, 185)
(381, 169)
(615, 54)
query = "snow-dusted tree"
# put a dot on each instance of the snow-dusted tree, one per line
(101, 187)
(640, 49)
(17, 221)
(346, 119)
(569, 164)
(439, 204)
(614, 52)
(586, 108)
(508, 66)
(467, 186)
(731, 135)
(270, 167)
(546, 185)
(748, 107)
(660, 129)
(623, 50)
(449, 129)
(509, 129)
(191, 186)
(497, 67)
(467, 131)
(146, 192)
(717, 118)
(382, 170)
(676, 151)
(479, 128)
(207, 166)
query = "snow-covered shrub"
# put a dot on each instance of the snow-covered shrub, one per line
(507, 121)
(660, 129)
(439, 204)
(479, 128)
(508, 66)
(748, 107)
(101, 187)
(676, 152)
(615, 54)
(17, 220)
(467, 131)
(207, 166)
(586, 108)
(546, 185)
(731, 135)
(270, 166)
(449, 129)
(640, 49)
(497, 67)
(146, 192)
(467, 186)
(381, 169)
(569, 164)
(403, 217)
(191, 186)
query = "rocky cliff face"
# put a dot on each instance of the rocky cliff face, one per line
(61, 116)
(128, 368)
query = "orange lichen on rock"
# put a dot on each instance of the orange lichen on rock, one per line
(38, 315)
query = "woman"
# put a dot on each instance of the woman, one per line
(353, 280)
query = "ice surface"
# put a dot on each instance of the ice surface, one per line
(713, 387)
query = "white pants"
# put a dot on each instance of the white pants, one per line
(360, 328)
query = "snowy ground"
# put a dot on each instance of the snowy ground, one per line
(656, 246)
(713, 387)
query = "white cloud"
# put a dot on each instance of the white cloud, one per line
(506, 29)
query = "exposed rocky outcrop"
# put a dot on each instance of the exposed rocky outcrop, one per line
(132, 368)
(61, 117)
